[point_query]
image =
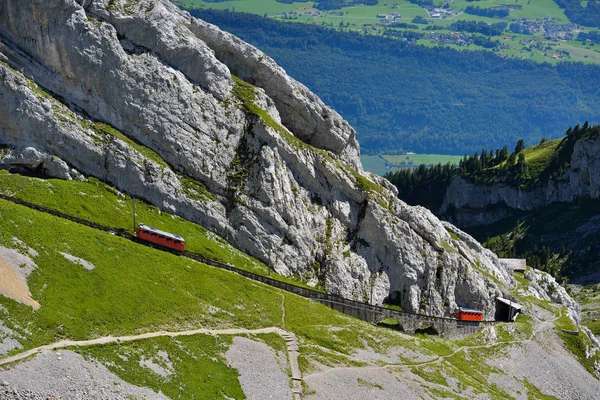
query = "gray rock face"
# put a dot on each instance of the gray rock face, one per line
(469, 204)
(142, 98)
(544, 286)
(29, 159)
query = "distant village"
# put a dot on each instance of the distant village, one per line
(545, 27)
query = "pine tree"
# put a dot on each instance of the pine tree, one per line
(520, 146)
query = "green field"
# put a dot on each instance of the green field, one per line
(364, 18)
(418, 159)
(374, 164)
(384, 163)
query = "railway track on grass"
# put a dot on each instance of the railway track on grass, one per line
(409, 321)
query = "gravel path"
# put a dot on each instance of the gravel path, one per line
(363, 383)
(67, 375)
(257, 358)
(261, 375)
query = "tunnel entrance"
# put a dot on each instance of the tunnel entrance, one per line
(506, 310)
(32, 170)
(427, 330)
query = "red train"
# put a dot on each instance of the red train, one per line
(466, 314)
(161, 238)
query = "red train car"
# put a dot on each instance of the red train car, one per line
(466, 314)
(161, 238)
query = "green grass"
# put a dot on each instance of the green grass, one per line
(579, 345)
(593, 325)
(132, 289)
(415, 160)
(97, 202)
(533, 393)
(136, 289)
(374, 164)
(565, 323)
(197, 365)
(538, 157)
(577, 342)
(538, 167)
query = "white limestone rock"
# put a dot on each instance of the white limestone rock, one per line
(276, 173)
(546, 288)
(35, 161)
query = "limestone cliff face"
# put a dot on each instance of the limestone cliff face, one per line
(162, 106)
(470, 204)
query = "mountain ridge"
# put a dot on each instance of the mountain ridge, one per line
(236, 158)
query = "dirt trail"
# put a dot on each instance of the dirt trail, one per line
(14, 286)
(289, 337)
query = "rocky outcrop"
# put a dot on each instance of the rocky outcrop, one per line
(175, 111)
(29, 160)
(544, 287)
(471, 204)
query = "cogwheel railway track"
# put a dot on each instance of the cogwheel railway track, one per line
(364, 311)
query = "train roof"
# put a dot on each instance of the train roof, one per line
(469, 310)
(158, 231)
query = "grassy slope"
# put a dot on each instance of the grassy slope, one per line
(537, 158)
(197, 365)
(97, 202)
(136, 289)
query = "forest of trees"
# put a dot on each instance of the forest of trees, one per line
(426, 100)
(479, 27)
(492, 12)
(426, 185)
(592, 36)
(588, 15)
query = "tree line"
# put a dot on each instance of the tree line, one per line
(588, 15)
(427, 185)
(484, 28)
(493, 12)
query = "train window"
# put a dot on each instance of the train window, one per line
(161, 236)
(169, 239)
